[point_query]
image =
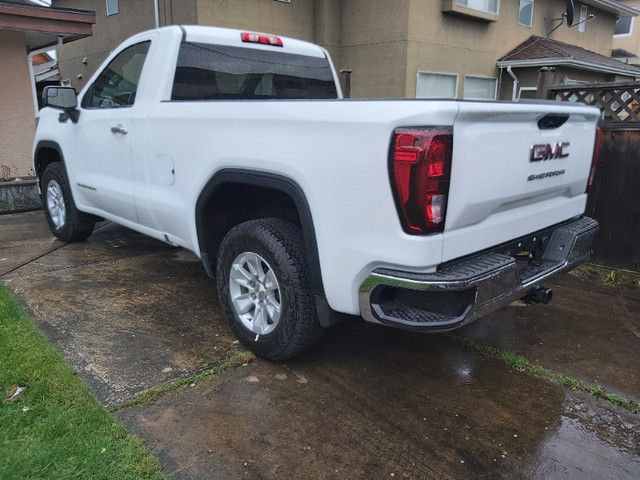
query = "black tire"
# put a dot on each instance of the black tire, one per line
(65, 221)
(277, 247)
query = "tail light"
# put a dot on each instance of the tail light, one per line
(420, 169)
(594, 160)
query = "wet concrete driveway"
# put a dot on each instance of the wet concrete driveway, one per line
(130, 314)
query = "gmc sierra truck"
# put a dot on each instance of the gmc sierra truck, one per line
(417, 214)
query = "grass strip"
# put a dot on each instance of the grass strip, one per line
(154, 394)
(617, 277)
(52, 426)
(522, 364)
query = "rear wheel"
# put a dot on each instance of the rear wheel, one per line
(264, 290)
(65, 221)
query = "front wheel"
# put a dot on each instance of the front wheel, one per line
(264, 289)
(65, 221)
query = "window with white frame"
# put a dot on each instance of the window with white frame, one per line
(436, 85)
(479, 88)
(525, 13)
(485, 6)
(624, 26)
(583, 18)
(112, 7)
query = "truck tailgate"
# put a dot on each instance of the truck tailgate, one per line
(515, 171)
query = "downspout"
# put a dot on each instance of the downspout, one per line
(514, 93)
(32, 54)
(156, 9)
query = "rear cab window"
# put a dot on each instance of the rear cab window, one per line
(219, 72)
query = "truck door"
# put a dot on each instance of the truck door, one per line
(103, 142)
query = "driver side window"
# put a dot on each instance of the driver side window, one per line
(116, 86)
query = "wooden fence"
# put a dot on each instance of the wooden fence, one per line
(615, 197)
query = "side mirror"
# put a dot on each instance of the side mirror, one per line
(62, 98)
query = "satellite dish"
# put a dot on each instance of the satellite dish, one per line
(569, 12)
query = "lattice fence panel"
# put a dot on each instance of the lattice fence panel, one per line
(618, 102)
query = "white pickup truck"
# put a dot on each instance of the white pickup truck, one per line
(417, 214)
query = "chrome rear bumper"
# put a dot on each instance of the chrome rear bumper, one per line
(465, 290)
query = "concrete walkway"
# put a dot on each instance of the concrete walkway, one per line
(129, 314)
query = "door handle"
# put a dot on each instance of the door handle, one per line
(119, 129)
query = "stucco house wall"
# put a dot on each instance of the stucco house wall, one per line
(384, 43)
(448, 43)
(17, 107)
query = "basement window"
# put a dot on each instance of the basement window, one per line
(436, 85)
(112, 7)
(479, 88)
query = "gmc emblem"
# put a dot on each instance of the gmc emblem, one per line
(548, 151)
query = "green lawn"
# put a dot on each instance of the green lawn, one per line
(55, 428)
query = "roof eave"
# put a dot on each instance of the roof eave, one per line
(612, 6)
(568, 62)
(43, 26)
(52, 40)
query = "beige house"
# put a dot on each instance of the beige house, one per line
(25, 30)
(403, 48)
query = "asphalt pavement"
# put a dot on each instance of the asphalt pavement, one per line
(130, 314)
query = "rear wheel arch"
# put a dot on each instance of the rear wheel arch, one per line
(264, 289)
(235, 196)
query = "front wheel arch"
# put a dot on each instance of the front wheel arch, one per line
(66, 222)
(46, 153)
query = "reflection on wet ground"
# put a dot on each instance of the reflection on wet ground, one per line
(589, 331)
(130, 313)
(592, 442)
(371, 403)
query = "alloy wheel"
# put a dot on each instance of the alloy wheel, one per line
(55, 204)
(255, 293)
